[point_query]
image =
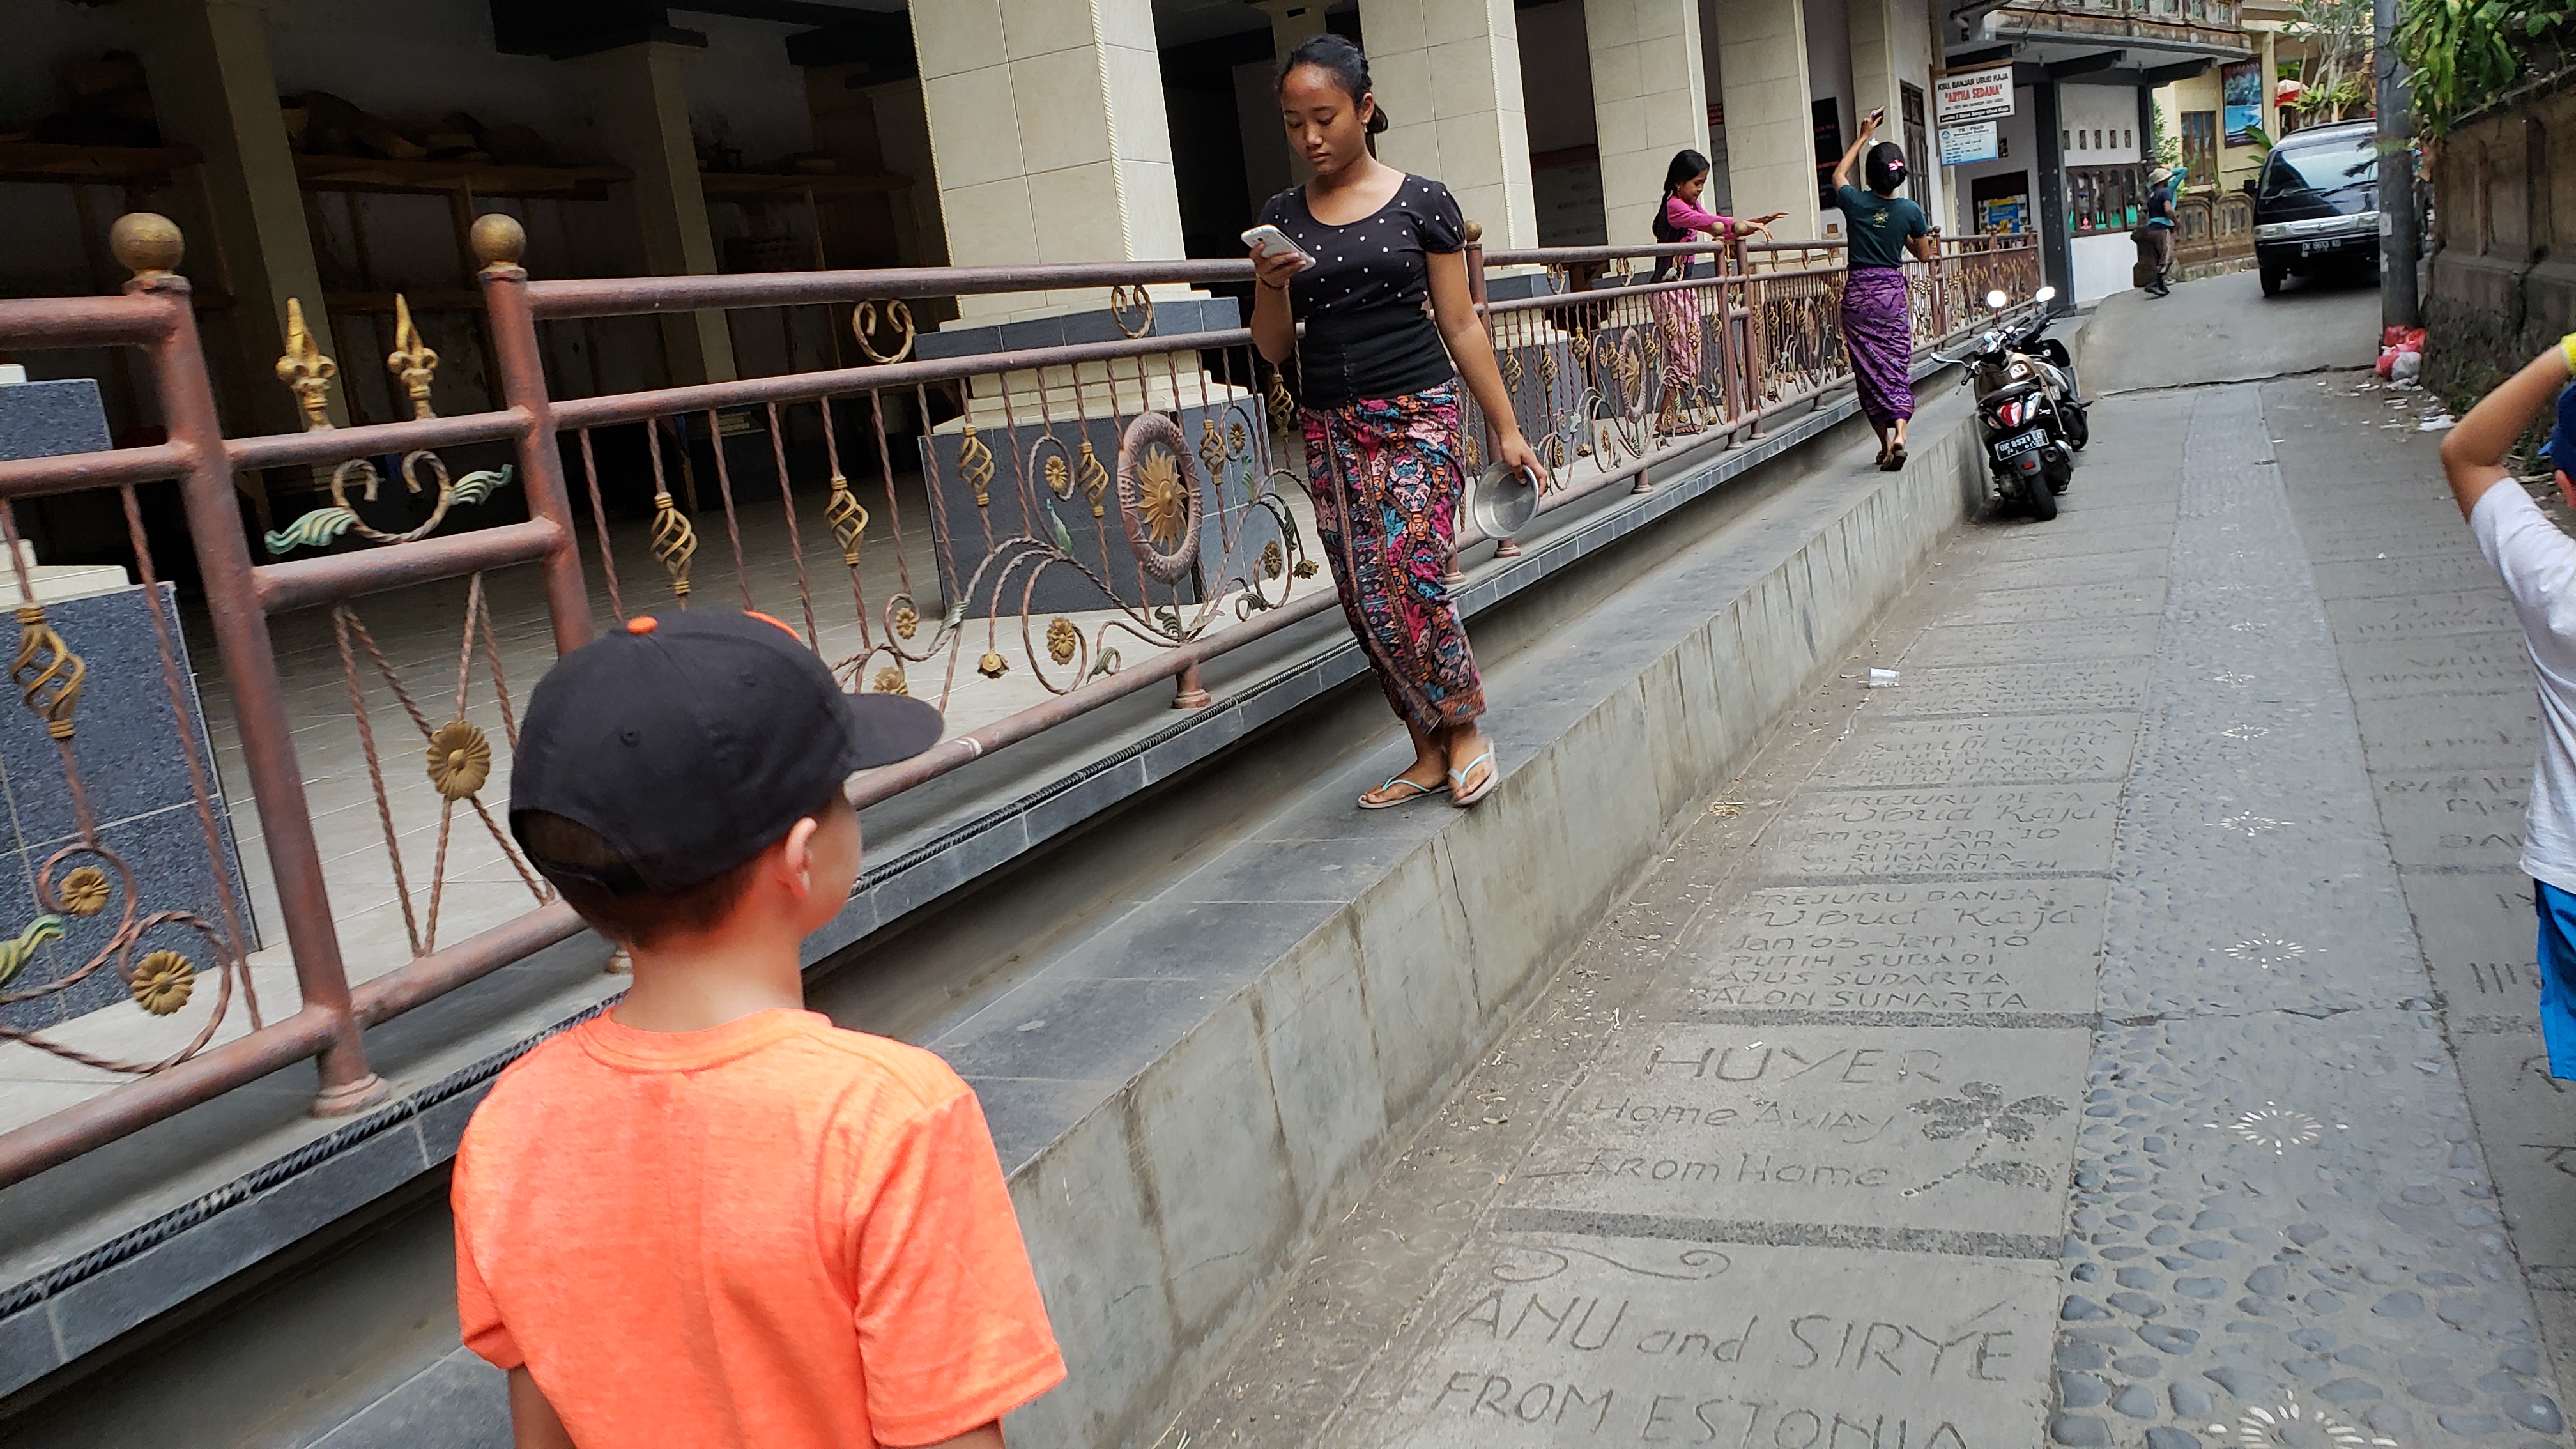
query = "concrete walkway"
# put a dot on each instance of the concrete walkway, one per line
(2104, 1037)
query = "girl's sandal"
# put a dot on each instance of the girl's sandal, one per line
(1415, 789)
(1459, 793)
(1894, 462)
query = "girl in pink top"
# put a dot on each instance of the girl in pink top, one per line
(1677, 312)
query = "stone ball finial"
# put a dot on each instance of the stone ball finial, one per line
(146, 244)
(1475, 232)
(499, 241)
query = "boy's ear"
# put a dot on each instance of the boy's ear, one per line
(2566, 488)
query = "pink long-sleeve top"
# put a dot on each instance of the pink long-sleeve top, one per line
(1686, 217)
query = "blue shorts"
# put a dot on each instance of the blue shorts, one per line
(2557, 977)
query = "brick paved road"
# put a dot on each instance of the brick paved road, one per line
(2106, 1036)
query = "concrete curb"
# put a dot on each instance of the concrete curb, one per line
(1164, 1221)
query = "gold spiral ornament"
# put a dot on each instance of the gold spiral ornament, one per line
(975, 465)
(849, 519)
(675, 543)
(897, 318)
(1131, 300)
(48, 673)
(1283, 404)
(1094, 477)
(1211, 446)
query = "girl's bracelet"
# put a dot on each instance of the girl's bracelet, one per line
(2567, 352)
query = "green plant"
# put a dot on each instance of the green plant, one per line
(2162, 145)
(2460, 52)
(2338, 36)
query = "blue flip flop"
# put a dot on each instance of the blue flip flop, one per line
(1462, 797)
(1419, 790)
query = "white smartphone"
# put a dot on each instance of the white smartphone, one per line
(1275, 242)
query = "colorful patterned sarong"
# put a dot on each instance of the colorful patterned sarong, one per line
(1677, 322)
(1881, 341)
(1386, 482)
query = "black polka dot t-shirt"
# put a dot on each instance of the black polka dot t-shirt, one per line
(1367, 333)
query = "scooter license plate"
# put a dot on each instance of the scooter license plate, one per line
(2020, 443)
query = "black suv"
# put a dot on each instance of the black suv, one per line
(2316, 202)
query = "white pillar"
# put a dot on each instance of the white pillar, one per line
(1049, 137)
(1449, 73)
(1770, 136)
(1649, 101)
(643, 114)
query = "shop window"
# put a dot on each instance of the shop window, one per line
(2104, 198)
(1910, 103)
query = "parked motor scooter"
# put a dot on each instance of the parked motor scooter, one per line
(2030, 410)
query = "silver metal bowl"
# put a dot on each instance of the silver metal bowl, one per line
(1502, 500)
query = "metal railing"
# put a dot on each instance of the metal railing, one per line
(1021, 536)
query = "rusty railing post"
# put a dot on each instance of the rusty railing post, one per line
(499, 241)
(149, 246)
(1484, 425)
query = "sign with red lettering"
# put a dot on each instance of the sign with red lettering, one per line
(1974, 95)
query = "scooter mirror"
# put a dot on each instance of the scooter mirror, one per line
(2043, 294)
(1997, 300)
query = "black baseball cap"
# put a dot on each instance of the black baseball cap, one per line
(690, 742)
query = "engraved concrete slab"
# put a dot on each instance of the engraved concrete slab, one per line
(2054, 688)
(2417, 730)
(2060, 570)
(2406, 575)
(2482, 612)
(2034, 748)
(1961, 1129)
(2070, 601)
(2455, 819)
(1944, 833)
(2480, 940)
(2445, 666)
(1953, 948)
(2076, 638)
(1657, 1336)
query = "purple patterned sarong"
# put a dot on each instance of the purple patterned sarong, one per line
(1881, 341)
(1385, 477)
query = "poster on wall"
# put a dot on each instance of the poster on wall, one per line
(1973, 95)
(2242, 85)
(1966, 145)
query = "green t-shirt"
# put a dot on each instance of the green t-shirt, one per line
(1879, 226)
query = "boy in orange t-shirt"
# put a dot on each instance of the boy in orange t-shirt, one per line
(709, 1217)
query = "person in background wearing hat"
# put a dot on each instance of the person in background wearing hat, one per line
(2159, 227)
(2538, 562)
(707, 1216)
(1878, 332)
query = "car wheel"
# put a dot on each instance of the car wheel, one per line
(2271, 281)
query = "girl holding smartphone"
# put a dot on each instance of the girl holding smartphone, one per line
(1379, 278)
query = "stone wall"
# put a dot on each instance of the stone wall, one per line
(2503, 253)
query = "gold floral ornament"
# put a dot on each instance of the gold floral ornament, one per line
(84, 892)
(1062, 640)
(1305, 568)
(890, 680)
(992, 665)
(848, 518)
(162, 982)
(1158, 497)
(906, 621)
(975, 465)
(460, 759)
(305, 370)
(411, 362)
(674, 543)
(1059, 477)
(1273, 562)
(48, 673)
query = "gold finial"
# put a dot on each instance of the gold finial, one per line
(498, 241)
(1475, 232)
(146, 244)
(411, 361)
(305, 370)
